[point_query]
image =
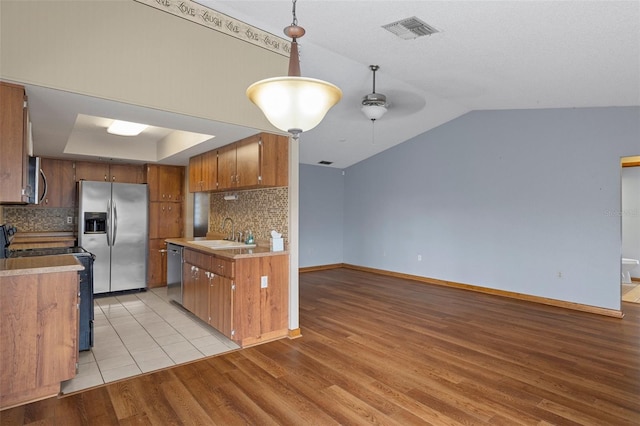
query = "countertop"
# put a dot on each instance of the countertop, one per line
(25, 240)
(259, 251)
(39, 265)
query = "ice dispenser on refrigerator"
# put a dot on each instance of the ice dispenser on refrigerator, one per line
(95, 222)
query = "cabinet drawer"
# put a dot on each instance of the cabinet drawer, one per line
(223, 267)
(196, 258)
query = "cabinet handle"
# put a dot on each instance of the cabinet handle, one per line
(237, 178)
(163, 196)
(169, 196)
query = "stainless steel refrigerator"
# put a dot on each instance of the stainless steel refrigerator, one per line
(113, 225)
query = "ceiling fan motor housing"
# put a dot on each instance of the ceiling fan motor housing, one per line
(377, 99)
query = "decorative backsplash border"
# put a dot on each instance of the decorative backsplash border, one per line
(260, 211)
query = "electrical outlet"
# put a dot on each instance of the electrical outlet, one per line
(264, 281)
(69, 220)
(419, 258)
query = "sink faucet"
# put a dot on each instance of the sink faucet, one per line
(233, 230)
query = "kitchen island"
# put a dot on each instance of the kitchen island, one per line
(241, 292)
(38, 326)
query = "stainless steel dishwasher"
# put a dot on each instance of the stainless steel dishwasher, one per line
(174, 272)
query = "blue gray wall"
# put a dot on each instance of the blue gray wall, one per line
(321, 210)
(519, 201)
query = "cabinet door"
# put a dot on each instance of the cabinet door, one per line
(165, 220)
(227, 167)
(195, 173)
(190, 275)
(209, 171)
(201, 309)
(171, 183)
(126, 173)
(60, 187)
(221, 304)
(248, 162)
(13, 161)
(157, 263)
(87, 170)
(274, 160)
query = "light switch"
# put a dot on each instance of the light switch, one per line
(264, 281)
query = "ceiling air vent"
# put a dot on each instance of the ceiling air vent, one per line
(325, 162)
(410, 28)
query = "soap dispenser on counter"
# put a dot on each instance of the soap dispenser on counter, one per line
(250, 239)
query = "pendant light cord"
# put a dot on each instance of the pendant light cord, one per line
(293, 11)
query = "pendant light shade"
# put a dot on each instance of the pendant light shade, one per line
(294, 104)
(373, 112)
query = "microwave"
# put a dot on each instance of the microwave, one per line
(31, 190)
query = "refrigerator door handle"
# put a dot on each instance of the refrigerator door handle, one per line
(115, 223)
(109, 223)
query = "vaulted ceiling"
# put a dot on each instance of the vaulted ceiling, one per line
(486, 55)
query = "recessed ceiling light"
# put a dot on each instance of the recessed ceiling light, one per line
(126, 128)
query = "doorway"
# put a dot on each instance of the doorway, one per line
(630, 221)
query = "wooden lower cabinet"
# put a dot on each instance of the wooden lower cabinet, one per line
(229, 295)
(38, 335)
(220, 304)
(157, 263)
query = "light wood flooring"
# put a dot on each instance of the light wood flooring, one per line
(383, 350)
(631, 292)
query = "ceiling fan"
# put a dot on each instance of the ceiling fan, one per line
(404, 102)
(374, 105)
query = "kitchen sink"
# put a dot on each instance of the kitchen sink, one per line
(221, 244)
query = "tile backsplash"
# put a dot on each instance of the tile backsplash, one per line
(258, 210)
(40, 219)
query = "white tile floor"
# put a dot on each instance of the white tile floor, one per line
(140, 332)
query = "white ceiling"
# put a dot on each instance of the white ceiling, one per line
(486, 55)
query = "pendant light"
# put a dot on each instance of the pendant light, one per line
(294, 104)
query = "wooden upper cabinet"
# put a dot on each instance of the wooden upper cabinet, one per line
(126, 173)
(105, 172)
(88, 170)
(165, 183)
(274, 160)
(13, 134)
(227, 167)
(203, 172)
(260, 160)
(248, 162)
(57, 186)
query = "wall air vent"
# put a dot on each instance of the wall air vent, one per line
(410, 28)
(325, 162)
